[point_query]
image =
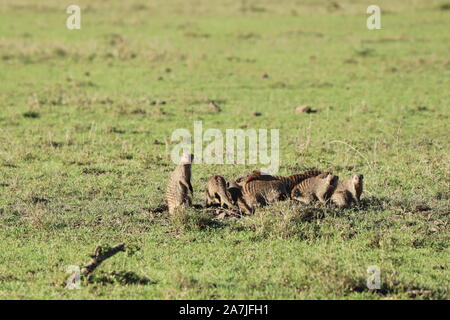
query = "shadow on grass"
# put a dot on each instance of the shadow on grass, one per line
(396, 288)
(119, 277)
(191, 219)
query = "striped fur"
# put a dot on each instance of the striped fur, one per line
(179, 186)
(237, 198)
(261, 192)
(320, 188)
(255, 175)
(216, 192)
(291, 181)
(348, 191)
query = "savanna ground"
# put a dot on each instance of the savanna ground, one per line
(85, 124)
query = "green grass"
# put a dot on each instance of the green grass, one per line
(86, 117)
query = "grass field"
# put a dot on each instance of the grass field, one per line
(85, 124)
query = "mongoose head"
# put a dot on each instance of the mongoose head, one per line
(240, 181)
(357, 179)
(187, 158)
(233, 185)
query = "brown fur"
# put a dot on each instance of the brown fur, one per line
(179, 186)
(216, 192)
(262, 190)
(320, 188)
(237, 198)
(255, 175)
(291, 181)
(348, 191)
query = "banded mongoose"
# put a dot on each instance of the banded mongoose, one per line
(259, 189)
(320, 188)
(291, 181)
(255, 175)
(237, 198)
(179, 185)
(348, 191)
(216, 192)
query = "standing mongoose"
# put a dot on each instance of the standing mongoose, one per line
(348, 191)
(235, 192)
(320, 188)
(179, 185)
(216, 192)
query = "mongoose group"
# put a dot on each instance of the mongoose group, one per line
(257, 189)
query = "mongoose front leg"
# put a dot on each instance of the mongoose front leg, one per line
(190, 188)
(222, 201)
(188, 185)
(322, 199)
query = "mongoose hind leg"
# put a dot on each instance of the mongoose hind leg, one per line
(208, 199)
(243, 207)
(225, 203)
